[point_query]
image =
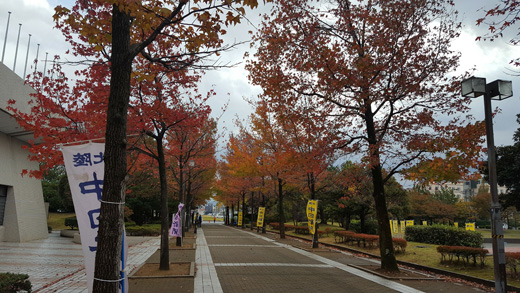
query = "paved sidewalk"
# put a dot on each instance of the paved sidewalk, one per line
(246, 261)
(227, 260)
(56, 264)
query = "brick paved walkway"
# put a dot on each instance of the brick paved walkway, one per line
(246, 261)
(56, 264)
(227, 260)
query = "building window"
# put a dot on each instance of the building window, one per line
(3, 199)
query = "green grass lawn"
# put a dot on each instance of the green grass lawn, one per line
(206, 218)
(57, 220)
(427, 255)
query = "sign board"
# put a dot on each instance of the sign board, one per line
(260, 219)
(85, 171)
(312, 212)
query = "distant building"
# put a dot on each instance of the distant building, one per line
(210, 208)
(464, 189)
(23, 215)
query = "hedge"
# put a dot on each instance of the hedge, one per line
(71, 222)
(443, 235)
(367, 240)
(10, 282)
(142, 231)
(276, 226)
(513, 262)
(448, 253)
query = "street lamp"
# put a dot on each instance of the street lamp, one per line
(497, 90)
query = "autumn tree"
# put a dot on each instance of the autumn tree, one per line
(500, 19)
(276, 159)
(239, 171)
(379, 68)
(161, 101)
(426, 207)
(481, 203)
(313, 140)
(192, 157)
(116, 32)
(508, 170)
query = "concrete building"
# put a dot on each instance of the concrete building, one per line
(464, 190)
(22, 210)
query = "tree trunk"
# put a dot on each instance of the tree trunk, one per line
(178, 241)
(386, 246)
(312, 185)
(243, 209)
(263, 204)
(252, 211)
(362, 217)
(110, 231)
(280, 209)
(227, 215)
(165, 221)
(232, 215)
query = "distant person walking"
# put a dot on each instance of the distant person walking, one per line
(200, 221)
(214, 219)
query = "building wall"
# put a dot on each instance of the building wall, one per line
(463, 189)
(25, 216)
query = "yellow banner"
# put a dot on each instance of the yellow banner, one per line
(470, 226)
(392, 227)
(395, 226)
(260, 219)
(403, 226)
(312, 212)
(424, 223)
(239, 219)
(409, 223)
(456, 224)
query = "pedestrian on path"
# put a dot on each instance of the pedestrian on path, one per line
(214, 219)
(200, 221)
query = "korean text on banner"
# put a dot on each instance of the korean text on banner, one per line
(239, 219)
(175, 230)
(312, 212)
(85, 171)
(260, 219)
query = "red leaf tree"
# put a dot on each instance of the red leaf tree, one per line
(380, 69)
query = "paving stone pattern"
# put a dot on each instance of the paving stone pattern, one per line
(227, 260)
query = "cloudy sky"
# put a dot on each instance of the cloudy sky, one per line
(490, 59)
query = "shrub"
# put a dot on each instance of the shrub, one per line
(142, 231)
(399, 245)
(512, 263)
(342, 236)
(443, 235)
(465, 253)
(71, 222)
(370, 226)
(10, 282)
(301, 230)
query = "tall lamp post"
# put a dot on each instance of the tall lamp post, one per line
(497, 90)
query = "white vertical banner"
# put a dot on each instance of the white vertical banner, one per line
(85, 170)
